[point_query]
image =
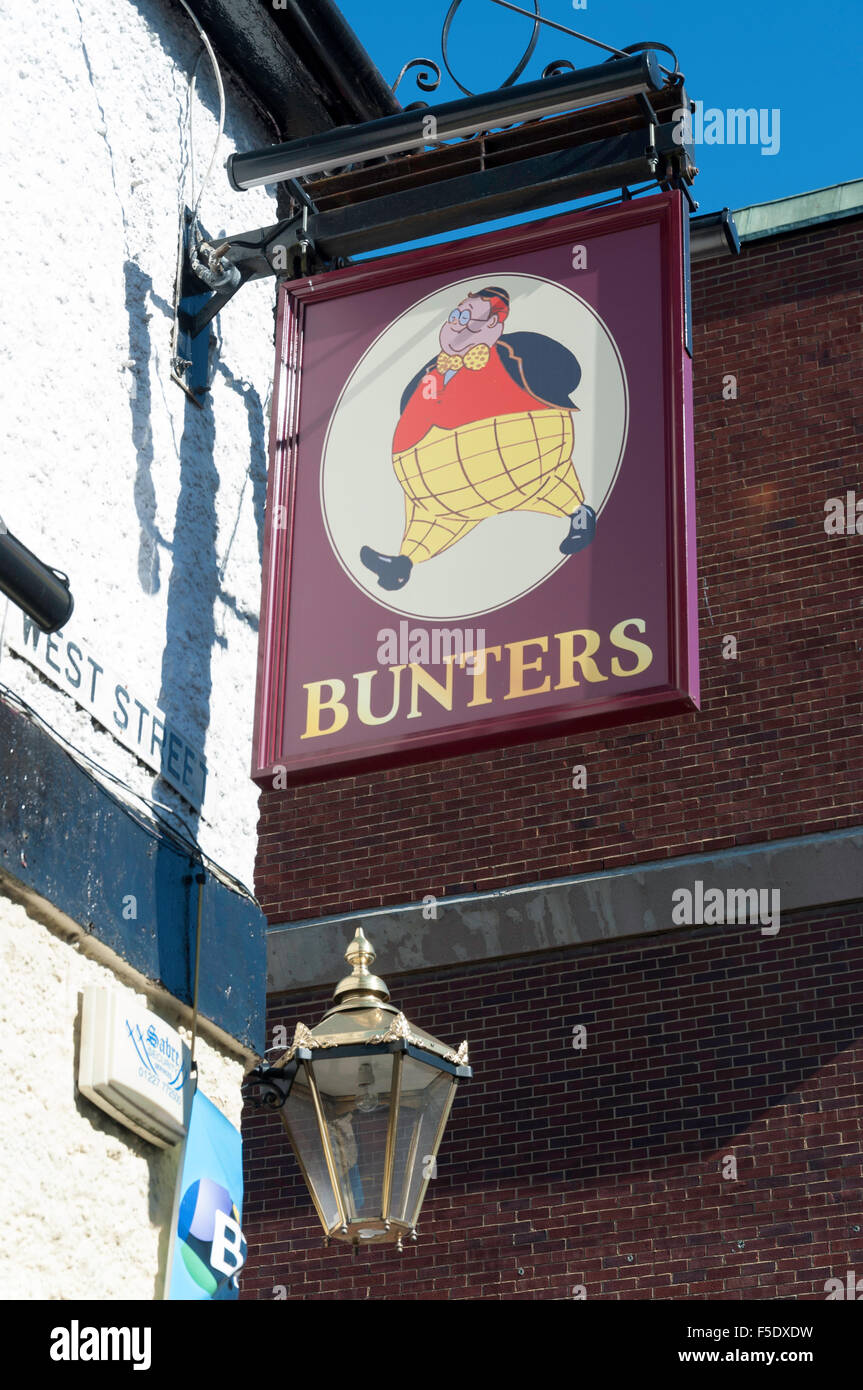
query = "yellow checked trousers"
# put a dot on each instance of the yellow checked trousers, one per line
(453, 479)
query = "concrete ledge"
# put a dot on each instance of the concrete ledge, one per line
(810, 872)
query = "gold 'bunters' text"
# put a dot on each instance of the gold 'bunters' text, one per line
(534, 666)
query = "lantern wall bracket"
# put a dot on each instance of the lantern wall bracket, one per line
(274, 1083)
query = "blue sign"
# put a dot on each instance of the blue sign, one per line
(208, 1249)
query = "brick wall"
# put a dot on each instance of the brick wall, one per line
(603, 1167)
(777, 749)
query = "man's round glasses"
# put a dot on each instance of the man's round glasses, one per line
(463, 317)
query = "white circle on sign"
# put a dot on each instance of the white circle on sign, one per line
(508, 554)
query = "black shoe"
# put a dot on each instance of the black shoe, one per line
(582, 529)
(393, 571)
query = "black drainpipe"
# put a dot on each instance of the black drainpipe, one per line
(303, 64)
(324, 39)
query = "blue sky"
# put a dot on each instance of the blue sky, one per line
(804, 60)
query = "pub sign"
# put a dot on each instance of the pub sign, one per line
(479, 510)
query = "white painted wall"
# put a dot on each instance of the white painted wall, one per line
(151, 506)
(87, 1204)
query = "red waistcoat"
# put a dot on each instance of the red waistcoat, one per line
(467, 396)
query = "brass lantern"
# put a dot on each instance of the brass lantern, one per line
(365, 1097)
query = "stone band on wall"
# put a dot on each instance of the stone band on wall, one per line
(809, 871)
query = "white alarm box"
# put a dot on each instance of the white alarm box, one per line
(134, 1066)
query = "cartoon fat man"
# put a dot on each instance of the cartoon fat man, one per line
(485, 427)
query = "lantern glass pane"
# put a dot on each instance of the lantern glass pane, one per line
(355, 1097)
(425, 1092)
(302, 1125)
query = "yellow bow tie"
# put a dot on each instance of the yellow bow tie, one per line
(474, 359)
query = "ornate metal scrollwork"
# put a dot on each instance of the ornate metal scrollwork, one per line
(661, 47)
(398, 1030)
(427, 83)
(557, 66)
(520, 65)
(424, 79)
(273, 1086)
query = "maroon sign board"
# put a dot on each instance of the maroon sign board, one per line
(480, 521)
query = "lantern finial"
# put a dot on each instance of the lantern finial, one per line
(360, 950)
(359, 955)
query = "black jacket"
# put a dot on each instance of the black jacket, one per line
(541, 365)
